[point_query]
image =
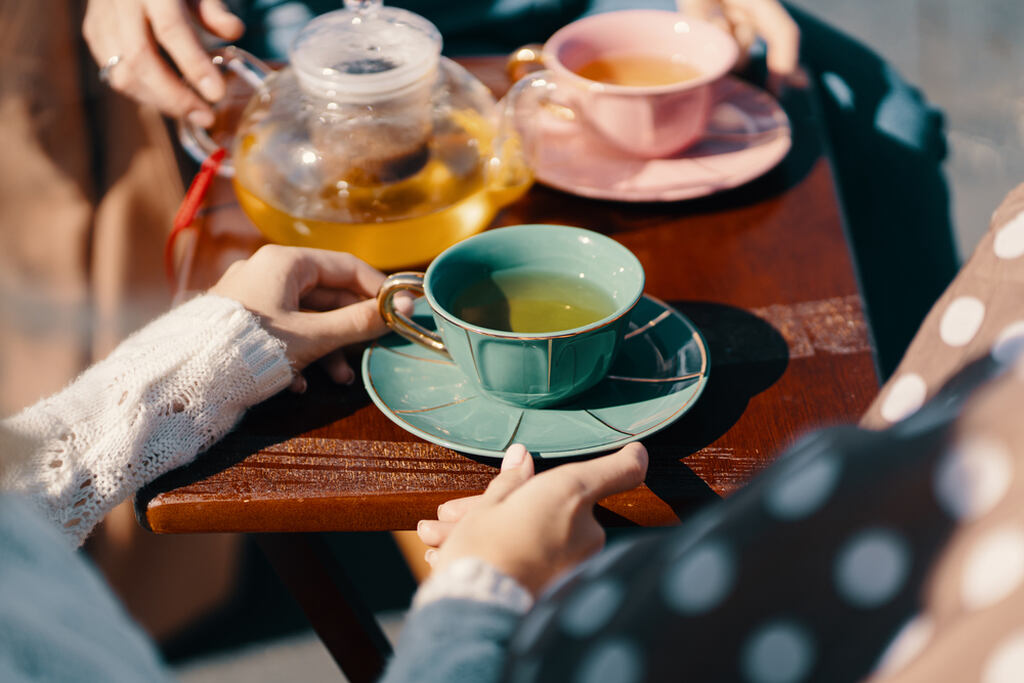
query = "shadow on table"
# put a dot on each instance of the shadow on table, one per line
(747, 356)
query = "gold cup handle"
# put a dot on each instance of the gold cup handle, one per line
(411, 282)
(524, 60)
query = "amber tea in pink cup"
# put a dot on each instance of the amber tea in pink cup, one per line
(640, 78)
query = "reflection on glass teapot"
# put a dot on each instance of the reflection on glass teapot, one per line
(369, 141)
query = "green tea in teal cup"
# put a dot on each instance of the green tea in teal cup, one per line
(532, 314)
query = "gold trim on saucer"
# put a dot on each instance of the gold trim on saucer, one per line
(443, 405)
(515, 431)
(616, 429)
(649, 324)
(439, 361)
(655, 380)
(703, 350)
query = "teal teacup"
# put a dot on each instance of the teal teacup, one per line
(532, 314)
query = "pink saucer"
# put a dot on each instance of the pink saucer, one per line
(748, 134)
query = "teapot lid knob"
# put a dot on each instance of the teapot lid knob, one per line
(363, 5)
(365, 52)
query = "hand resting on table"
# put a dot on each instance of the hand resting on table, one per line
(533, 528)
(315, 301)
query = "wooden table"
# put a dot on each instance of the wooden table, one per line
(764, 271)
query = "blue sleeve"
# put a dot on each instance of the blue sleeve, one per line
(58, 619)
(453, 640)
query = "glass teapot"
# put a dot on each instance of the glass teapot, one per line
(369, 141)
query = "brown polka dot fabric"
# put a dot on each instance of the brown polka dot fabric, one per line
(891, 552)
(982, 308)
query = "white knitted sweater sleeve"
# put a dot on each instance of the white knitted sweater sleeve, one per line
(165, 394)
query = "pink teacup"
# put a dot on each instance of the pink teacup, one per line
(645, 120)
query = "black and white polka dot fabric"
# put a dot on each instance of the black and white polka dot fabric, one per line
(894, 553)
(805, 575)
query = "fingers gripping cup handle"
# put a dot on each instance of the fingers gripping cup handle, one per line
(411, 282)
(196, 140)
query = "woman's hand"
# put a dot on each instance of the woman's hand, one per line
(533, 528)
(748, 19)
(136, 30)
(315, 301)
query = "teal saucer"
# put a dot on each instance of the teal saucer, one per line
(661, 370)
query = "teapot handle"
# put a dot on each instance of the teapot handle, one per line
(363, 5)
(196, 140)
(524, 60)
(531, 94)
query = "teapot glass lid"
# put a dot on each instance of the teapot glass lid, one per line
(365, 51)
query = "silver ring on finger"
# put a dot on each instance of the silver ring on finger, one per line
(108, 67)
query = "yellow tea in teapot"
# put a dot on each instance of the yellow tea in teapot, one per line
(367, 141)
(396, 211)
